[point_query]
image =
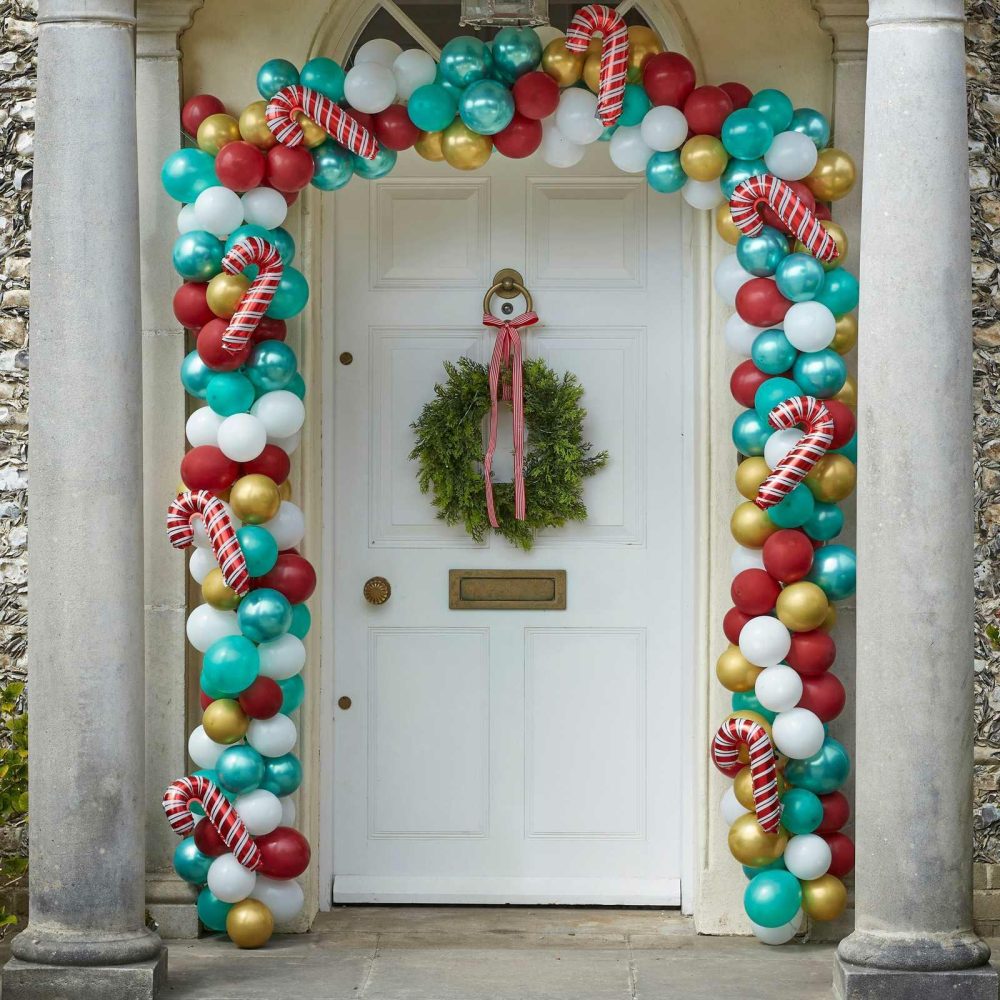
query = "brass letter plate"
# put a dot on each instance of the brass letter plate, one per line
(507, 589)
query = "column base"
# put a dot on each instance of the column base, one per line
(35, 981)
(860, 982)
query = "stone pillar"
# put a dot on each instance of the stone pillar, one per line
(86, 935)
(913, 899)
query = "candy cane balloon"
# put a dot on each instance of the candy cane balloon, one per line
(221, 534)
(256, 299)
(614, 54)
(287, 104)
(751, 194)
(219, 812)
(736, 733)
(812, 446)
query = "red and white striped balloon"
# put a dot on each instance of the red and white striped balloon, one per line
(812, 446)
(734, 734)
(287, 104)
(220, 531)
(257, 298)
(587, 21)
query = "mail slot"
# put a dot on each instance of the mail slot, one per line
(507, 589)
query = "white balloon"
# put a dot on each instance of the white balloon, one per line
(287, 811)
(202, 426)
(186, 220)
(203, 750)
(556, 149)
(412, 68)
(283, 657)
(218, 211)
(289, 445)
(798, 733)
(702, 194)
(779, 444)
(206, 625)
(576, 116)
(229, 880)
(730, 807)
(809, 326)
(264, 207)
(740, 335)
(778, 688)
(765, 641)
(628, 150)
(744, 558)
(548, 34)
(283, 897)
(773, 935)
(260, 811)
(242, 437)
(281, 412)
(202, 563)
(383, 51)
(664, 128)
(791, 156)
(288, 526)
(370, 87)
(729, 277)
(273, 737)
(808, 856)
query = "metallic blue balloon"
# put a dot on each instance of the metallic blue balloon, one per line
(835, 571)
(738, 171)
(282, 239)
(264, 614)
(811, 123)
(293, 690)
(195, 375)
(775, 106)
(190, 863)
(827, 522)
(840, 292)
(370, 170)
(516, 51)
(271, 365)
(761, 255)
(334, 166)
(800, 277)
(230, 665)
(259, 548)
(772, 392)
(275, 75)
(747, 134)
(772, 898)
(212, 912)
(326, 76)
(464, 60)
(822, 773)
(850, 449)
(794, 510)
(746, 701)
(820, 373)
(187, 173)
(486, 107)
(664, 172)
(291, 295)
(772, 353)
(282, 775)
(240, 768)
(197, 255)
(301, 621)
(750, 433)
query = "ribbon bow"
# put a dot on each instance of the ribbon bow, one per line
(507, 351)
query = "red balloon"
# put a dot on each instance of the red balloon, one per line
(844, 422)
(802, 193)
(196, 109)
(207, 839)
(842, 851)
(269, 329)
(289, 168)
(393, 128)
(272, 462)
(754, 592)
(204, 699)
(262, 699)
(520, 138)
(823, 211)
(536, 95)
(206, 468)
(284, 852)
(292, 576)
(738, 93)
(746, 379)
(824, 695)
(191, 305)
(811, 653)
(706, 109)
(211, 351)
(788, 555)
(669, 78)
(289, 196)
(240, 166)
(365, 120)
(836, 812)
(733, 624)
(759, 303)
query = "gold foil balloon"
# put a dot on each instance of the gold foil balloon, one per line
(832, 478)
(751, 845)
(735, 671)
(725, 226)
(429, 146)
(563, 66)
(463, 148)
(224, 293)
(216, 593)
(313, 135)
(253, 126)
(846, 336)
(830, 620)
(743, 788)
(848, 393)
(255, 499)
(592, 71)
(750, 473)
(802, 606)
(285, 490)
(224, 721)
(643, 42)
(249, 924)
(824, 898)
(703, 158)
(217, 130)
(750, 526)
(832, 177)
(839, 237)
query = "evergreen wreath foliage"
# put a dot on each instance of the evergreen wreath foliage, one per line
(450, 451)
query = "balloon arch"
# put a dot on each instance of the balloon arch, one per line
(766, 170)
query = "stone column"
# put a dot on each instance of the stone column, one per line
(913, 902)
(86, 936)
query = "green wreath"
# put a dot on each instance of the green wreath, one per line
(556, 461)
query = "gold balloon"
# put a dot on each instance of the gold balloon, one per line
(592, 71)
(802, 606)
(832, 478)
(846, 337)
(725, 226)
(703, 158)
(253, 126)
(750, 473)
(839, 237)
(224, 293)
(217, 130)
(285, 490)
(249, 924)
(832, 177)
(255, 499)
(643, 42)
(743, 788)
(751, 845)
(830, 620)
(429, 146)
(735, 671)
(216, 593)
(463, 148)
(750, 526)
(224, 721)
(563, 66)
(848, 393)
(313, 135)
(824, 898)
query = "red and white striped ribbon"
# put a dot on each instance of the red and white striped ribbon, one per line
(219, 812)
(812, 446)
(257, 298)
(220, 530)
(507, 352)
(751, 194)
(281, 119)
(736, 733)
(586, 22)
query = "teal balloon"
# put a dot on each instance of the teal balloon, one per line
(516, 51)
(746, 701)
(777, 865)
(301, 621)
(212, 912)
(293, 690)
(827, 522)
(772, 392)
(820, 373)
(737, 171)
(801, 811)
(750, 433)
(370, 170)
(195, 375)
(486, 107)
(635, 105)
(291, 295)
(463, 61)
(188, 172)
(747, 134)
(850, 449)
(761, 255)
(811, 123)
(197, 255)
(775, 106)
(772, 353)
(432, 107)
(282, 239)
(297, 385)
(800, 277)
(334, 166)
(606, 135)
(835, 571)
(794, 510)
(839, 292)
(229, 667)
(275, 75)
(664, 172)
(264, 614)
(190, 863)
(260, 550)
(229, 393)
(240, 769)
(282, 775)
(326, 76)
(822, 773)
(271, 365)
(772, 898)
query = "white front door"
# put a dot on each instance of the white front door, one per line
(508, 756)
